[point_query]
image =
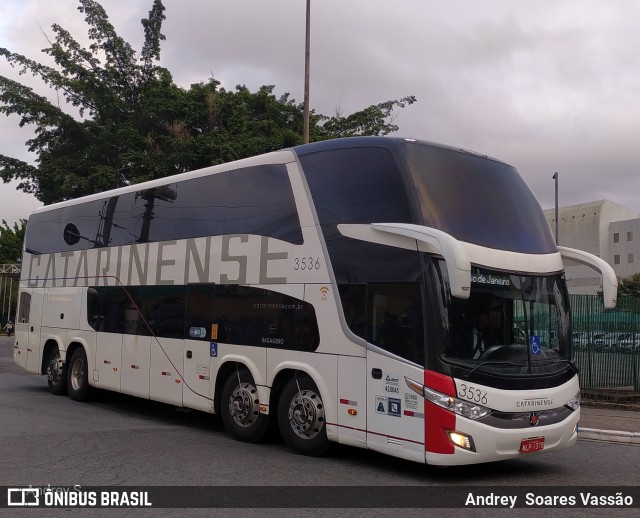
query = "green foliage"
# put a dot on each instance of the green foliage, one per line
(134, 123)
(630, 286)
(11, 240)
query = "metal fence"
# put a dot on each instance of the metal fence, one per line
(607, 349)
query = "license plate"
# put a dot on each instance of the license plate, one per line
(533, 444)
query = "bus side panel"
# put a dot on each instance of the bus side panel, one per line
(62, 308)
(196, 389)
(395, 413)
(165, 377)
(352, 400)
(108, 361)
(136, 360)
(21, 345)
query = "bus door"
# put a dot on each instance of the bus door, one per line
(200, 347)
(34, 346)
(22, 325)
(395, 413)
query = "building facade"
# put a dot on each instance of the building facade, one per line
(603, 228)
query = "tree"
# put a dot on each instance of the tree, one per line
(11, 240)
(629, 286)
(133, 123)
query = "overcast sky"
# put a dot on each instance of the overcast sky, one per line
(544, 85)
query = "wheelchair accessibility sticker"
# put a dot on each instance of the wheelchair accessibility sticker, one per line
(534, 344)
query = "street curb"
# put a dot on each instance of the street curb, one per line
(593, 434)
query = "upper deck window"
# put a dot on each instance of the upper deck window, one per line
(255, 200)
(356, 185)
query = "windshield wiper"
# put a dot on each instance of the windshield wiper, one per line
(572, 366)
(492, 363)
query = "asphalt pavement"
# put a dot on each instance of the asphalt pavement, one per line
(597, 423)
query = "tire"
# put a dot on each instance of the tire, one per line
(240, 408)
(78, 376)
(56, 374)
(301, 417)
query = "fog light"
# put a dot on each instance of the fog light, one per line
(461, 440)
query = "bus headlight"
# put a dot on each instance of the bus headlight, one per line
(574, 402)
(453, 404)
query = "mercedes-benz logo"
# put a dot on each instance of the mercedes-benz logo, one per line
(534, 419)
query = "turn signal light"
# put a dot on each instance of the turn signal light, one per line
(462, 440)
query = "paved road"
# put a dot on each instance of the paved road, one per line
(120, 440)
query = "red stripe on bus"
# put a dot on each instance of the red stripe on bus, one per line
(436, 418)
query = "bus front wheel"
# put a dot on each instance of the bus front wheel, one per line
(78, 375)
(301, 417)
(240, 407)
(56, 373)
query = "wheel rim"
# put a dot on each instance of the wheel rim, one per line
(244, 406)
(54, 369)
(77, 374)
(306, 414)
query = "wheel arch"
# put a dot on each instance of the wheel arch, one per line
(73, 347)
(49, 346)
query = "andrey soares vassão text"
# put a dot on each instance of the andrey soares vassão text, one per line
(580, 499)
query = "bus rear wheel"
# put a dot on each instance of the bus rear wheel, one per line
(240, 407)
(56, 373)
(78, 376)
(301, 417)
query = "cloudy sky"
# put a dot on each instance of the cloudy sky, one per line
(544, 85)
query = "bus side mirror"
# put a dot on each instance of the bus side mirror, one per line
(609, 279)
(454, 253)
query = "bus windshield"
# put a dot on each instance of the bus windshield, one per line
(477, 200)
(511, 324)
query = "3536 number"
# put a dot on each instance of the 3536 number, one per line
(306, 263)
(472, 394)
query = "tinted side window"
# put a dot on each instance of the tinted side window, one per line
(395, 319)
(360, 185)
(138, 310)
(388, 315)
(356, 261)
(24, 308)
(200, 316)
(254, 200)
(233, 314)
(263, 318)
(163, 309)
(261, 202)
(356, 185)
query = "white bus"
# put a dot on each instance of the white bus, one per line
(385, 293)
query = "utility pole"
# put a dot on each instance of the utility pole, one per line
(305, 134)
(555, 177)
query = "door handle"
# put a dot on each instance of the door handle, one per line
(376, 374)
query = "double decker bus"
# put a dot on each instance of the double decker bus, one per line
(385, 293)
